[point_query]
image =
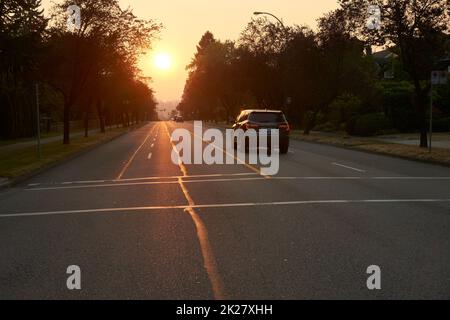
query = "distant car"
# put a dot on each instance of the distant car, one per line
(179, 119)
(265, 119)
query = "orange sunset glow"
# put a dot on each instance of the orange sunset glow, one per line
(185, 22)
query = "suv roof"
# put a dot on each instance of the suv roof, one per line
(261, 110)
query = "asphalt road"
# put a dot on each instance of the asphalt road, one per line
(141, 227)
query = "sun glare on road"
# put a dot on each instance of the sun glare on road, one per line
(162, 61)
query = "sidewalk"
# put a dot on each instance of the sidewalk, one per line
(440, 140)
(30, 143)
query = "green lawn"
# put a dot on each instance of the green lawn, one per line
(14, 141)
(43, 136)
(26, 160)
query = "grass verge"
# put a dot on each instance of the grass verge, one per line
(437, 155)
(25, 161)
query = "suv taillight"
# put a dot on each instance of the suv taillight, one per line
(251, 126)
(285, 127)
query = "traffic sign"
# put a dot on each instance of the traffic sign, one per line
(438, 77)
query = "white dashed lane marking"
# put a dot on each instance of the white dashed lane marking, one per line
(348, 167)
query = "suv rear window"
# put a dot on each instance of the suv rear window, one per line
(267, 117)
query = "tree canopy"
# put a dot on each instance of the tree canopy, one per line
(93, 68)
(311, 75)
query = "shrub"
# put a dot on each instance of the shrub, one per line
(368, 124)
(343, 108)
(397, 101)
(441, 125)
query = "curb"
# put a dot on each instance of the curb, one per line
(19, 179)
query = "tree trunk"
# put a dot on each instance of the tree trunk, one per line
(423, 127)
(86, 124)
(66, 121)
(311, 122)
(420, 101)
(100, 116)
(122, 117)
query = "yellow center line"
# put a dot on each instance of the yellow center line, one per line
(125, 167)
(202, 234)
(180, 164)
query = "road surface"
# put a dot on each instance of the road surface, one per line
(141, 227)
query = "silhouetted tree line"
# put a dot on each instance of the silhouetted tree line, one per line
(86, 73)
(328, 78)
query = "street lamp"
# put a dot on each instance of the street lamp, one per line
(257, 13)
(285, 33)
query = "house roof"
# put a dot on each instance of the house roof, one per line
(384, 54)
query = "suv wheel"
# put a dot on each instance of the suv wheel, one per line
(284, 148)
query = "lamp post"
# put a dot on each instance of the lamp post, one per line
(285, 33)
(38, 124)
(257, 13)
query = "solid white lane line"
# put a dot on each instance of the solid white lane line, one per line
(192, 176)
(150, 178)
(93, 181)
(128, 184)
(149, 156)
(347, 167)
(100, 210)
(241, 174)
(259, 178)
(224, 205)
(189, 176)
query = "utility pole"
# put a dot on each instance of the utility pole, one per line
(38, 123)
(431, 117)
(438, 77)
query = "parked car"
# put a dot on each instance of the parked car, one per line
(265, 119)
(179, 119)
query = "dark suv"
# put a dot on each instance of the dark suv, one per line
(265, 119)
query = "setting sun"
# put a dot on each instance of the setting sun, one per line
(162, 61)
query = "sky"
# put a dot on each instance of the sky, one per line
(186, 21)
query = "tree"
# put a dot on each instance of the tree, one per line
(22, 26)
(301, 76)
(261, 45)
(341, 66)
(199, 95)
(418, 28)
(75, 59)
(270, 63)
